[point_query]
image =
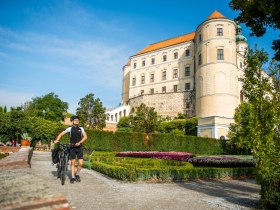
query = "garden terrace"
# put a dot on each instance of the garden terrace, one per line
(137, 169)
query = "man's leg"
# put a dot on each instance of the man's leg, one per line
(72, 180)
(73, 162)
(80, 164)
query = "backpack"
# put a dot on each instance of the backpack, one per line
(55, 155)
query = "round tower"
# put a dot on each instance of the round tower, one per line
(241, 48)
(216, 76)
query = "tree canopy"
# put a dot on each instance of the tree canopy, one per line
(144, 119)
(258, 15)
(49, 107)
(257, 122)
(91, 112)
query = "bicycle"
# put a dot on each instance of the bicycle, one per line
(62, 165)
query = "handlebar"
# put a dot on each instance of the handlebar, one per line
(66, 144)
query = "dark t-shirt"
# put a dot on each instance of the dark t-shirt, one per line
(76, 133)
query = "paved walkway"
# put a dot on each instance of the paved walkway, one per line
(97, 191)
(21, 189)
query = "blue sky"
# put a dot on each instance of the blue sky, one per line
(77, 47)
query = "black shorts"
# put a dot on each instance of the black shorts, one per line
(76, 152)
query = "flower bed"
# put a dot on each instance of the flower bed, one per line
(214, 161)
(222, 162)
(182, 156)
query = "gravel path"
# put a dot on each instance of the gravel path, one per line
(97, 191)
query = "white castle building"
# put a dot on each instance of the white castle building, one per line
(197, 74)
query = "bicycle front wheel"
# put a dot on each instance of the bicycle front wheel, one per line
(63, 172)
(58, 166)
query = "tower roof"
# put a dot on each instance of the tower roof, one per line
(215, 15)
(167, 43)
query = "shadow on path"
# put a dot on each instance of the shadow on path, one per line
(240, 192)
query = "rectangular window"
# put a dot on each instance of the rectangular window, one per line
(220, 32)
(143, 79)
(164, 75)
(163, 89)
(175, 88)
(152, 91)
(164, 58)
(187, 52)
(152, 61)
(175, 55)
(152, 78)
(187, 86)
(175, 73)
(134, 65)
(143, 63)
(200, 38)
(220, 54)
(142, 92)
(187, 71)
(133, 81)
(199, 59)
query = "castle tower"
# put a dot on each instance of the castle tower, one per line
(241, 48)
(216, 78)
(125, 83)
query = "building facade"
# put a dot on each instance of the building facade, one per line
(197, 74)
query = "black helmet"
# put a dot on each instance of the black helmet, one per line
(74, 117)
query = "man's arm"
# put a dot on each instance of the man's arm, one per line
(59, 137)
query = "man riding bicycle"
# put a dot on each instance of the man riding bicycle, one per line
(77, 137)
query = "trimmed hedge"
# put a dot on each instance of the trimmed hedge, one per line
(132, 141)
(137, 169)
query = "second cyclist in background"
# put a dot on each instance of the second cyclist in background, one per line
(77, 137)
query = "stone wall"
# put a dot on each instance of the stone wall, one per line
(167, 104)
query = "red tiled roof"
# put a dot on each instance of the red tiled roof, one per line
(128, 63)
(167, 43)
(215, 15)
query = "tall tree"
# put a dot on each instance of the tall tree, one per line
(49, 107)
(257, 122)
(91, 112)
(258, 15)
(144, 119)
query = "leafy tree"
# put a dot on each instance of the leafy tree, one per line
(124, 124)
(191, 126)
(5, 124)
(144, 119)
(185, 126)
(43, 130)
(181, 116)
(13, 123)
(3, 109)
(48, 107)
(258, 15)
(91, 112)
(257, 122)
